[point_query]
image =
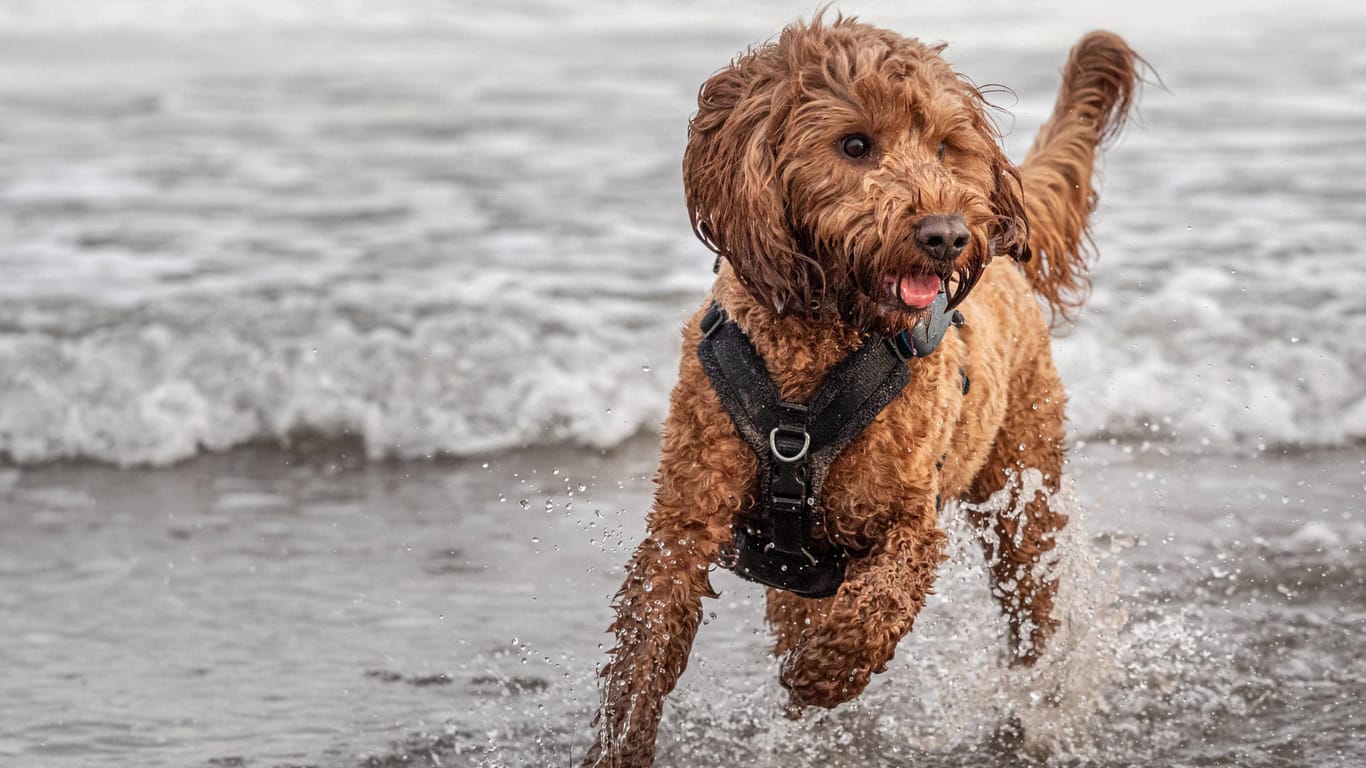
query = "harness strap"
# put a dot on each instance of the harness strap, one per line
(789, 456)
(796, 443)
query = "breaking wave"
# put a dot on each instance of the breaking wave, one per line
(160, 387)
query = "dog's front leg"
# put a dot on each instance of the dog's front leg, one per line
(872, 611)
(703, 480)
(658, 609)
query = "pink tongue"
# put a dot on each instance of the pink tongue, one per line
(918, 290)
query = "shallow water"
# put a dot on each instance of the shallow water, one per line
(375, 234)
(269, 609)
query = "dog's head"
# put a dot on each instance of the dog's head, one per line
(846, 166)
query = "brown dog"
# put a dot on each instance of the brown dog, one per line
(846, 175)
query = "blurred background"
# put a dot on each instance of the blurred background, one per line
(335, 336)
(444, 228)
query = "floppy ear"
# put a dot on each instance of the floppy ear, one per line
(1011, 234)
(731, 182)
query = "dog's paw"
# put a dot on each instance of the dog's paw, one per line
(821, 679)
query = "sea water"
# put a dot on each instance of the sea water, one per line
(448, 230)
(288, 251)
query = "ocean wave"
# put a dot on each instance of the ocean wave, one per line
(162, 386)
(156, 390)
(452, 250)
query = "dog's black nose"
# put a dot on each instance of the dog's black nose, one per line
(942, 236)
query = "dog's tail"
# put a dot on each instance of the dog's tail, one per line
(1098, 87)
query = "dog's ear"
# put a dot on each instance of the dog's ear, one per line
(1011, 236)
(733, 186)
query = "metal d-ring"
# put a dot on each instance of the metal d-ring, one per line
(773, 446)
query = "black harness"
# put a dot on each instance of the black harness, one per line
(796, 443)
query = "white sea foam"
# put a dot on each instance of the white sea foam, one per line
(455, 249)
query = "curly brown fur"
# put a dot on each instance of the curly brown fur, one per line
(819, 247)
(1097, 91)
(805, 229)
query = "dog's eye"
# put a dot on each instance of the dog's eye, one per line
(855, 145)
(939, 150)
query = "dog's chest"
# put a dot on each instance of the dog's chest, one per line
(894, 468)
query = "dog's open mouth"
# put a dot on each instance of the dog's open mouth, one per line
(911, 291)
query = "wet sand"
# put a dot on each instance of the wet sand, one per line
(271, 608)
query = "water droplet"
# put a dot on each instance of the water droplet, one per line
(525, 504)
(645, 368)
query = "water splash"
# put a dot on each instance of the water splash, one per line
(1061, 701)
(951, 695)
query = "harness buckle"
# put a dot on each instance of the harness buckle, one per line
(777, 454)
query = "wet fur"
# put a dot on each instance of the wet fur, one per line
(808, 238)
